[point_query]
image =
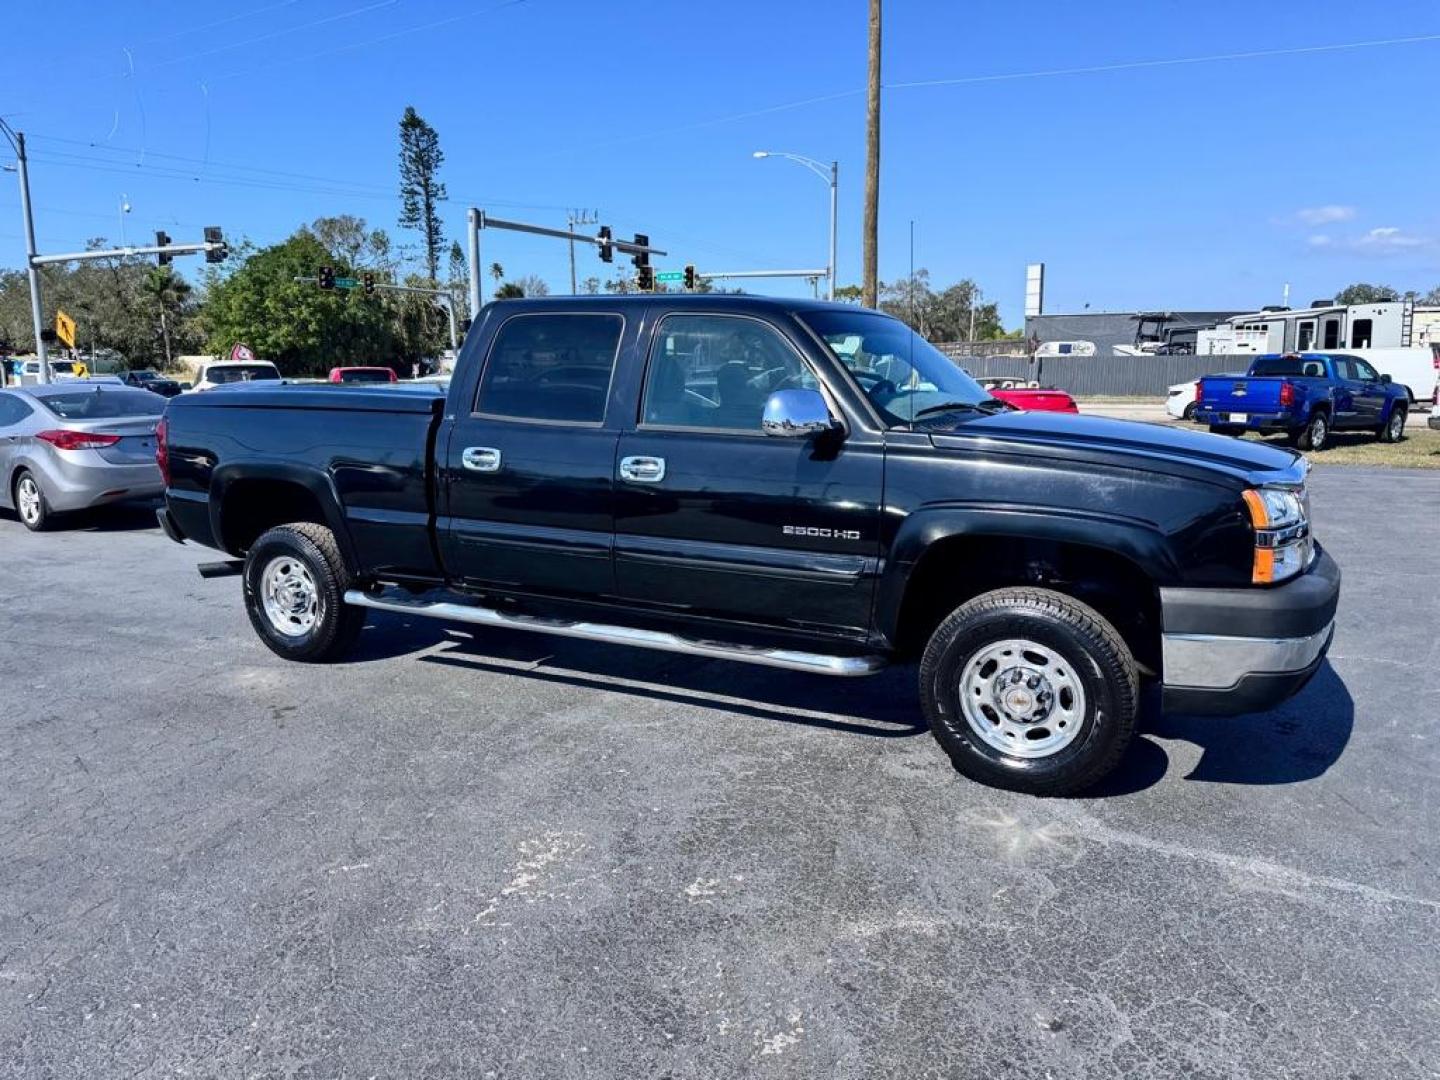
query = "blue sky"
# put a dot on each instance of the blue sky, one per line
(1195, 185)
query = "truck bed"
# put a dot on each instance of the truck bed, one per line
(369, 447)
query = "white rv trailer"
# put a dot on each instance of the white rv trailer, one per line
(1385, 334)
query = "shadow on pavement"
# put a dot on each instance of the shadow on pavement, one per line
(1296, 741)
(881, 706)
(119, 517)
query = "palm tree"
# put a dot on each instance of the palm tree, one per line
(169, 293)
(497, 272)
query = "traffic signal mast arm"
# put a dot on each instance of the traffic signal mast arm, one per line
(206, 246)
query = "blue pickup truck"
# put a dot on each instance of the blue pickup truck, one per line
(1306, 396)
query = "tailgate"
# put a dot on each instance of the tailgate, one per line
(1241, 395)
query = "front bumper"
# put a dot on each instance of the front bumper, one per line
(1232, 651)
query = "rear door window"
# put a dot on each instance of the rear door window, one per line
(553, 368)
(12, 410)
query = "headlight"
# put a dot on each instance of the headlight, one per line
(1280, 517)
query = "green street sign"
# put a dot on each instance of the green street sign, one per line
(346, 282)
(671, 275)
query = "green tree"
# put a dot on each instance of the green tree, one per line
(421, 191)
(1363, 293)
(533, 285)
(167, 293)
(302, 329)
(509, 291)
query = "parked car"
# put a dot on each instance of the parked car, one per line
(152, 381)
(716, 476)
(1180, 398)
(70, 446)
(1029, 395)
(229, 372)
(361, 375)
(1306, 396)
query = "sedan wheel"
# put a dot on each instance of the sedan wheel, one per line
(30, 503)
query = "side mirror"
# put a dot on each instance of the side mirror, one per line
(1385, 379)
(796, 414)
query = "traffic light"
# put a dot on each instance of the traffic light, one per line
(690, 276)
(645, 279)
(163, 258)
(326, 277)
(213, 235)
(641, 258)
(369, 280)
(607, 249)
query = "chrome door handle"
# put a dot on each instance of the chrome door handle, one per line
(481, 459)
(642, 470)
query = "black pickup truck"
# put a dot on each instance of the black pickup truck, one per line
(792, 483)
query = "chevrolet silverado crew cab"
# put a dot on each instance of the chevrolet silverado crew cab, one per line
(783, 482)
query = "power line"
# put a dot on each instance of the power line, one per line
(217, 22)
(1134, 65)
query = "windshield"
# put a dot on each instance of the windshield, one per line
(242, 373)
(107, 404)
(902, 374)
(365, 375)
(62, 367)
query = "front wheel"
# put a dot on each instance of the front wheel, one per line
(1394, 428)
(1315, 435)
(295, 582)
(1030, 690)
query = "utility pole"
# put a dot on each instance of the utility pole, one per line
(869, 274)
(474, 219)
(578, 217)
(17, 140)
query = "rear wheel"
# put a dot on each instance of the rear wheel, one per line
(1315, 435)
(295, 582)
(1189, 413)
(1030, 690)
(1394, 428)
(30, 502)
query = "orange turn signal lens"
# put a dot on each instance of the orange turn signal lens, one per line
(1264, 569)
(1255, 503)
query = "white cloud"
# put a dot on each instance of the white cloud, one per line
(1324, 215)
(1390, 239)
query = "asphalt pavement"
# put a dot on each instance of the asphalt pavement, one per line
(473, 854)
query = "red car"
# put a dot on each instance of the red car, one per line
(1028, 396)
(361, 375)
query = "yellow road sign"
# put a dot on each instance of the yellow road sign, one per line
(65, 328)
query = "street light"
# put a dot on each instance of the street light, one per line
(832, 177)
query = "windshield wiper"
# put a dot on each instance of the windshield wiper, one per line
(946, 406)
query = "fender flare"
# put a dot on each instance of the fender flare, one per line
(1137, 541)
(316, 481)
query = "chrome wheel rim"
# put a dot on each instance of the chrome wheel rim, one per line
(1397, 425)
(289, 597)
(27, 497)
(1022, 698)
(1318, 431)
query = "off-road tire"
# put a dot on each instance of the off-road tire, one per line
(1098, 657)
(337, 625)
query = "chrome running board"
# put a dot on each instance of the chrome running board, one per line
(793, 660)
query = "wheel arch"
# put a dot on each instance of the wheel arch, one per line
(943, 558)
(248, 499)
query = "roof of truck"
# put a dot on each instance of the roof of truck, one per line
(706, 301)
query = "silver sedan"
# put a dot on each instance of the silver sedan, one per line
(74, 445)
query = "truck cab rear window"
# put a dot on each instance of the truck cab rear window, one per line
(554, 367)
